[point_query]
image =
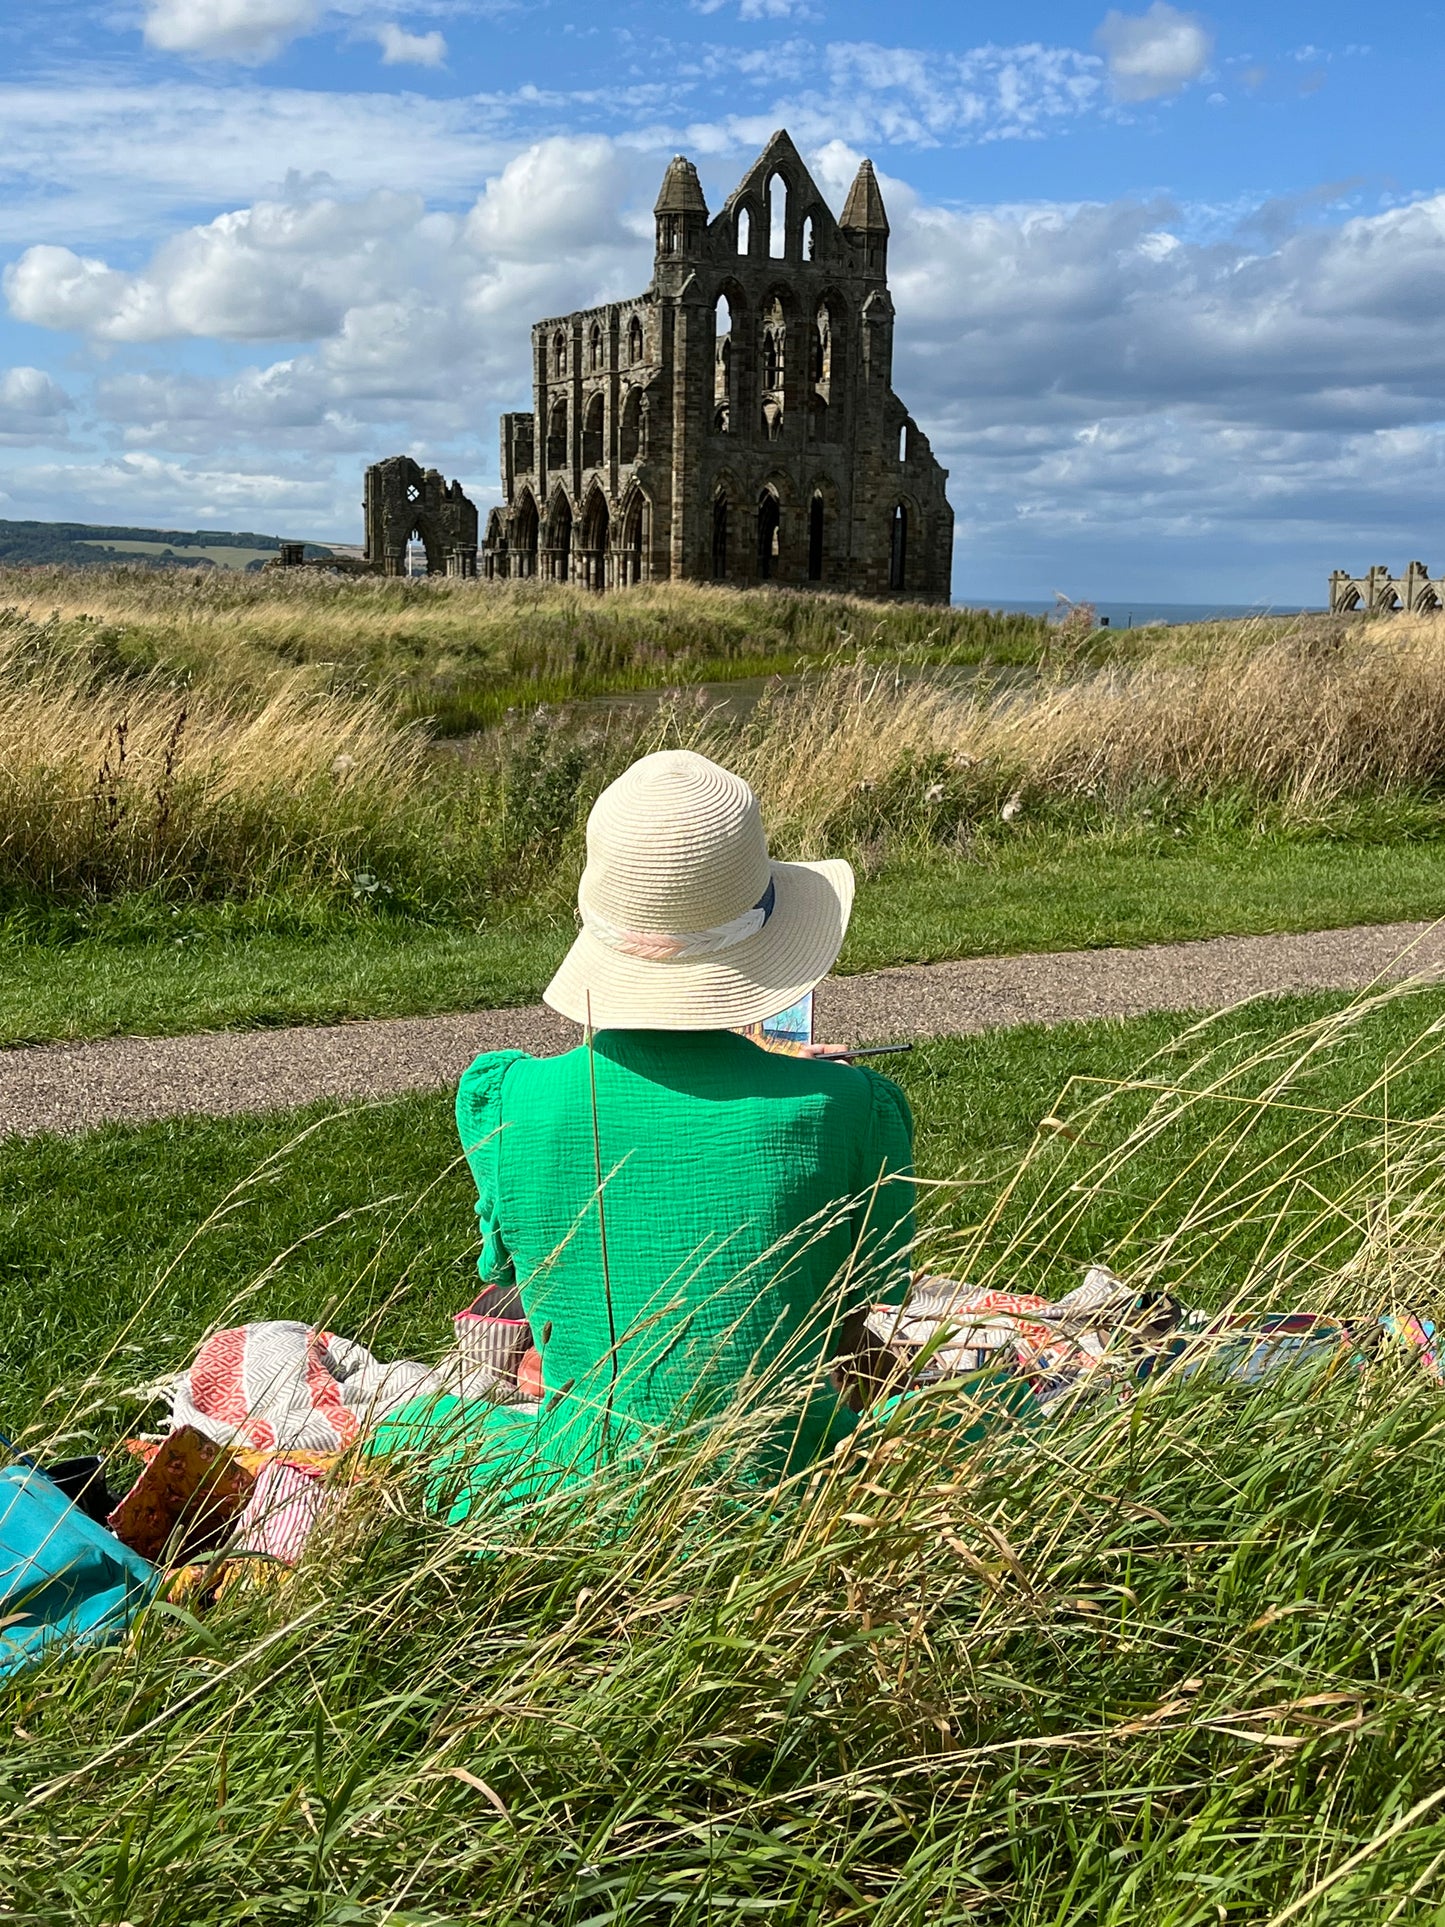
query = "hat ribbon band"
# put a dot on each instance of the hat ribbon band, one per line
(657, 946)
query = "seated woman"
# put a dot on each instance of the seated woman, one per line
(685, 1214)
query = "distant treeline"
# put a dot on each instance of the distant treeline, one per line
(72, 543)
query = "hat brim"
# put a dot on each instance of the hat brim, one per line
(793, 952)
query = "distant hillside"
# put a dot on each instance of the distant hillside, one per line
(85, 545)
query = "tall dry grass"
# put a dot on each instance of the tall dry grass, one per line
(110, 783)
(462, 653)
(1298, 723)
(117, 779)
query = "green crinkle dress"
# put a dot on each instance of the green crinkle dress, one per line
(751, 1201)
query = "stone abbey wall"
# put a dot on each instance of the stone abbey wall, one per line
(737, 422)
(404, 500)
(1381, 593)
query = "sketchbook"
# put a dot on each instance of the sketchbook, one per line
(788, 1030)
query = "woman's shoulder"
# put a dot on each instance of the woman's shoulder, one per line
(480, 1089)
(855, 1087)
(887, 1100)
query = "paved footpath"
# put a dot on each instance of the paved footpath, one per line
(71, 1087)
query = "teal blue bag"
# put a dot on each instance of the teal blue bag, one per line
(62, 1576)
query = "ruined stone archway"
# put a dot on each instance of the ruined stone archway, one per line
(770, 533)
(636, 539)
(557, 555)
(525, 527)
(823, 524)
(405, 500)
(721, 517)
(596, 526)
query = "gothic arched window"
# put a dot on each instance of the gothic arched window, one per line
(774, 366)
(898, 548)
(594, 433)
(770, 518)
(817, 511)
(778, 217)
(724, 414)
(630, 435)
(557, 436)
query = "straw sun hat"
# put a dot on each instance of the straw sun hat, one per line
(687, 923)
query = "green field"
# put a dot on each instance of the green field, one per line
(221, 557)
(1175, 1661)
(159, 969)
(57, 546)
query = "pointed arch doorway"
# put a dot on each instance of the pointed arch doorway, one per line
(596, 526)
(770, 523)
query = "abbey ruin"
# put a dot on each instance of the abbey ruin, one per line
(405, 501)
(737, 422)
(1382, 592)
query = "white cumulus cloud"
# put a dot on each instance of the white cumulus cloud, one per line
(245, 30)
(562, 193)
(32, 406)
(402, 49)
(1154, 53)
(277, 271)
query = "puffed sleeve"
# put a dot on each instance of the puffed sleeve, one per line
(883, 1222)
(479, 1125)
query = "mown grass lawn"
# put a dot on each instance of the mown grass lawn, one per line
(198, 970)
(1176, 1661)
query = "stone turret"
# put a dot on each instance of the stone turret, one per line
(865, 219)
(681, 209)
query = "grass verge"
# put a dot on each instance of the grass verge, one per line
(172, 971)
(1173, 1663)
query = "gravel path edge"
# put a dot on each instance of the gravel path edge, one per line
(72, 1088)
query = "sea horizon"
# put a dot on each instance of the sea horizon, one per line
(1121, 613)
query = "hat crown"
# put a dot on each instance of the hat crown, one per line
(674, 846)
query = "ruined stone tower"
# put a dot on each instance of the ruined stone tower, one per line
(404, 500)
(737, 422)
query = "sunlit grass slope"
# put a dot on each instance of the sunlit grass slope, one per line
(1171, 1661)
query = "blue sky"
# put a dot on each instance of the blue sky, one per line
(1170, 282)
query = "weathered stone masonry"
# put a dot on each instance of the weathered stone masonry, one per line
(736, 422)
(405, 500)
(1380, 592)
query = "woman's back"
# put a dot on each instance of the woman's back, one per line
(746, 1208)
(684, 1214)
